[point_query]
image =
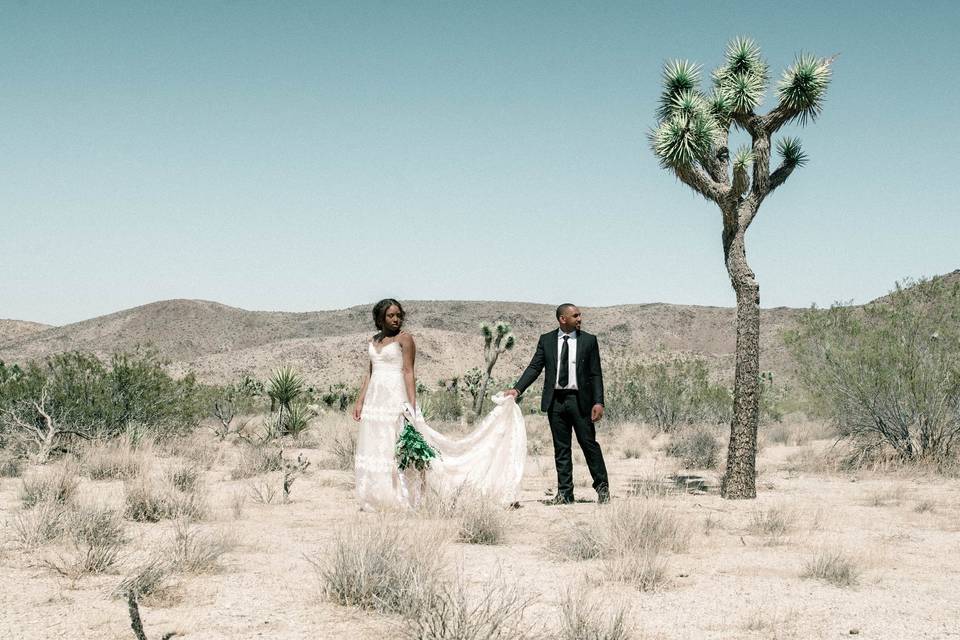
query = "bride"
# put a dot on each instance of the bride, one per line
(488, 460)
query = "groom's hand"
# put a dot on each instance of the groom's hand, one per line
(596, 415)
(511, 392)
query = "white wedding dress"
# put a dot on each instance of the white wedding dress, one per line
(488, 460)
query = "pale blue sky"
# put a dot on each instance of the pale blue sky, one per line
(302, 156)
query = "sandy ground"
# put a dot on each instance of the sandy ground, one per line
(731, 583)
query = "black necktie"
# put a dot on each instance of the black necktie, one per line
(563, 378)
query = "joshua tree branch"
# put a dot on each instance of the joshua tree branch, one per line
(780, 176)
(698, 180)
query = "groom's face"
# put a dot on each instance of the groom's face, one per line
(570, 319)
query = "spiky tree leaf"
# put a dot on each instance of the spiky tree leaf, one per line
(743, 56)
(743, 158)
(743, 91)
(793, 155)
(720, 108)
(804, 85)
(678, 76)
(681, 141)
(285, 387)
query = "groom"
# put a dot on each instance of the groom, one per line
(572, 398)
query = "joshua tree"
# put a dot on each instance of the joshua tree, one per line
(691, 140)
(496, 340)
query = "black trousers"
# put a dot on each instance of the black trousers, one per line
(564, 416)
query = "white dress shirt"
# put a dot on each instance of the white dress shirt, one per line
(572, 360)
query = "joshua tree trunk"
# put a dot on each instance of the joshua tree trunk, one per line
(739, 481)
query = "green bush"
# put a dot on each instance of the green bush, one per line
(888, 374)
(96, 399)
(666, 394)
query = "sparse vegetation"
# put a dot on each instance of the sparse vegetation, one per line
(256, 460)
(773, 522)
(43, 523)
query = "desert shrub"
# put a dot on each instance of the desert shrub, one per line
(383, 566)
(116, 459)
(227, 402)
(696, 446)
(256, 460)
(583, 618)
(645, 568)
(58, 484)
(148, 499)
(481, 521)
(451, 614)
(888, 374)
(834, 566)
(43, 523)
(925, 506)
(96, 535)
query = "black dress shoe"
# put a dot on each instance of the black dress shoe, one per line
(603, 497)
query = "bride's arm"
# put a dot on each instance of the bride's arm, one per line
(409, 378)
(358, 407)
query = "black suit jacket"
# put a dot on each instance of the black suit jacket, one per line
(589, 373)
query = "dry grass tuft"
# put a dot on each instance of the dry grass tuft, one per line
(584, 618)
(96, 535)
(151, 579)
(925, 506)
(40, 525)
(56, 484)
(116, 459)
(237, 501)
(185, 477)
(198, 552)
(481, 521)
(450, 614)
(255, 461)
(631, 537)
(772, 522)
(834, 566)
(148, 499)
(391, 567)
(889, 496)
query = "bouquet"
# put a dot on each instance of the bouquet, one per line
(412, 450)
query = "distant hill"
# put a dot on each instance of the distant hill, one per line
(221, 343)
(13, 329)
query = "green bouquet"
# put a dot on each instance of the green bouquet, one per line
(412, 450)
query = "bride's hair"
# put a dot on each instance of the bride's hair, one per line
(380, 313)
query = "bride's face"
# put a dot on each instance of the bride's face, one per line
(392, 319)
